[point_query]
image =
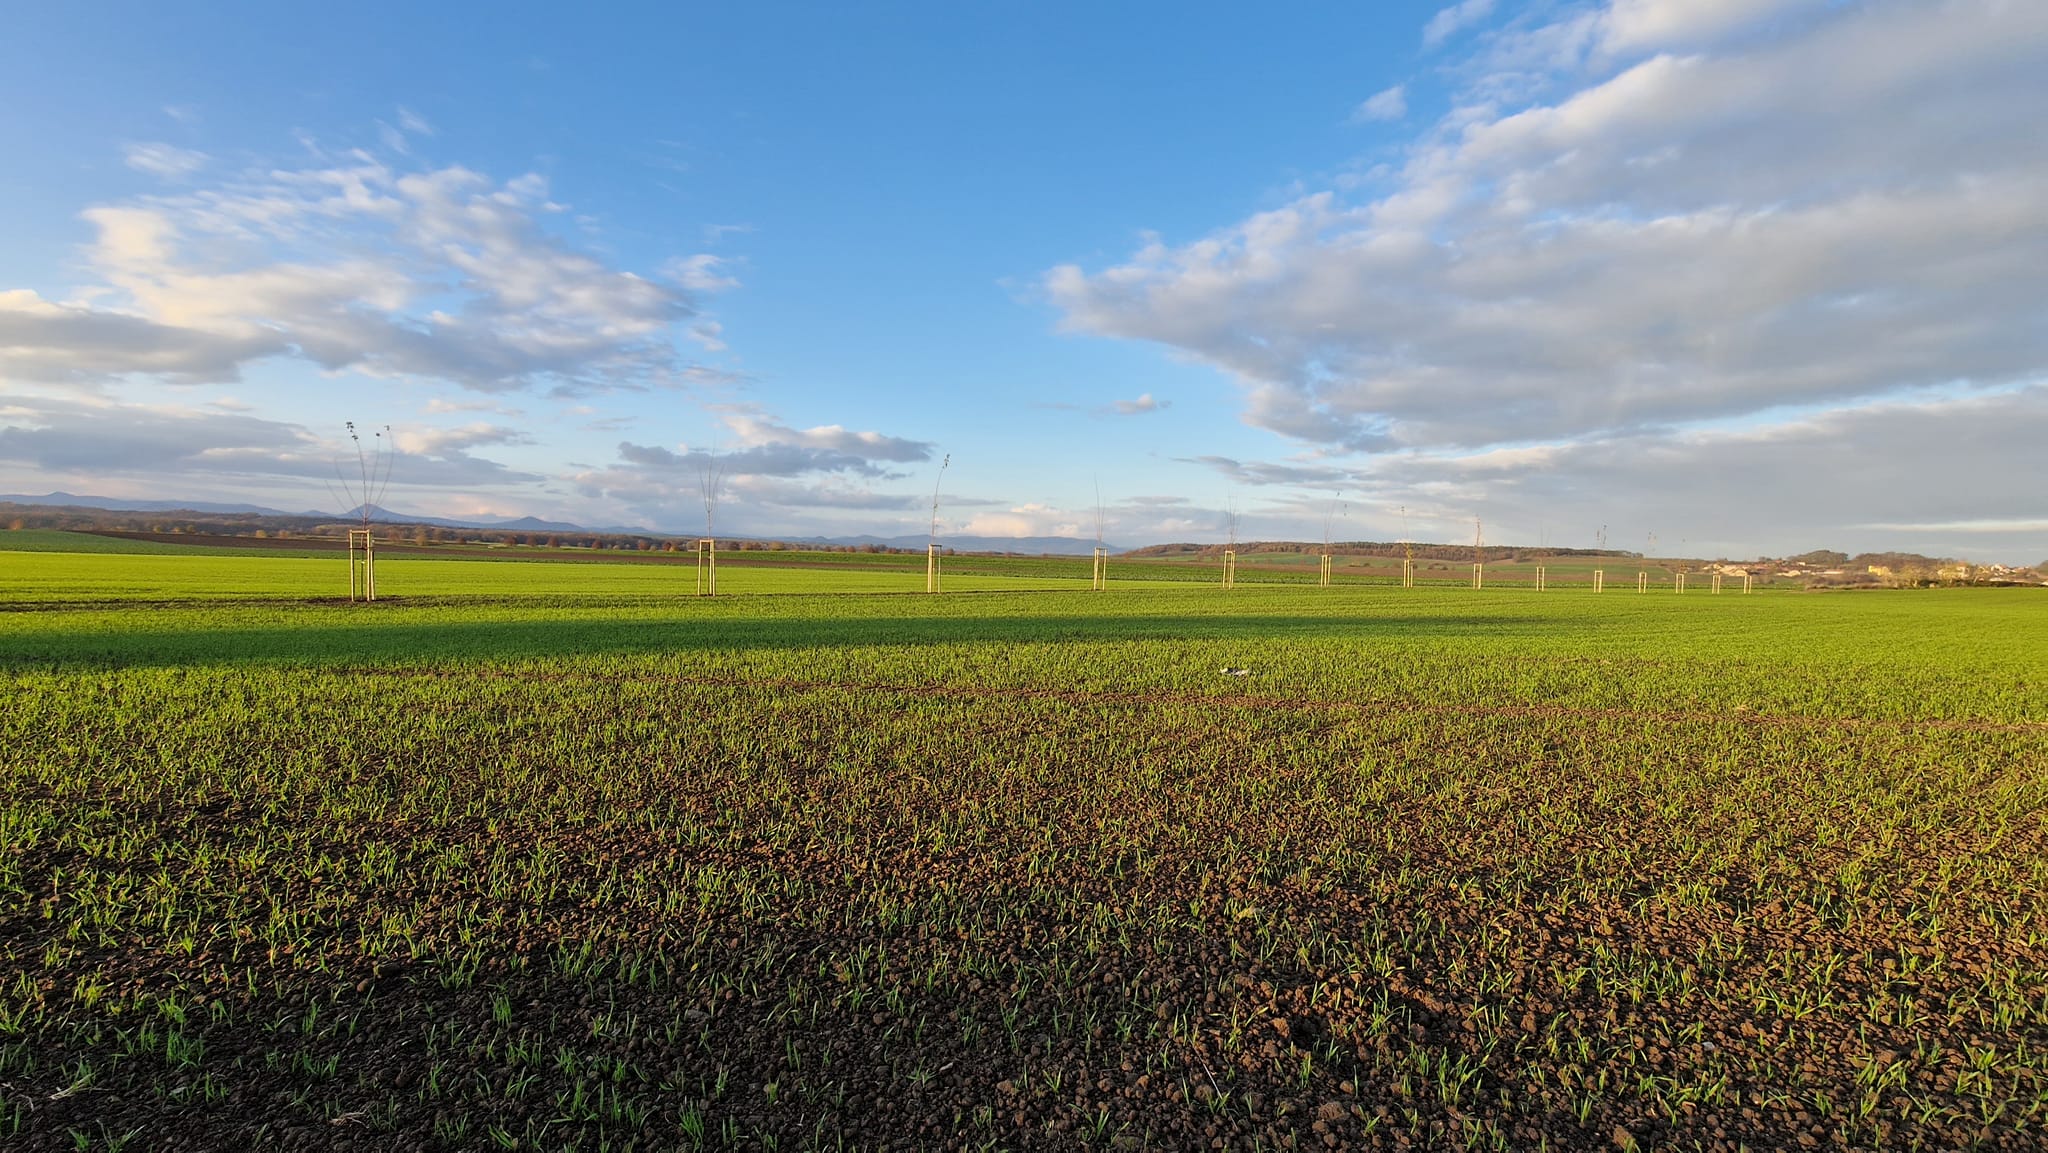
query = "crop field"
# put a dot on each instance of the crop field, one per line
(186, 574)
(552, 855)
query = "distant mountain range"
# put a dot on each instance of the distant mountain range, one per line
(1033, 545)
(74, 500)
(1055, 545)
(377, 513)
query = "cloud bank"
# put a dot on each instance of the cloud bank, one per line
(1718, 210)
(440, 275)
(763, 463)
(90, 442)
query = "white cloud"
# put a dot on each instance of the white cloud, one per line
(1143, 404)
(2033, 527)
(1025, 520)
(90, 441)
(1853, 205)
(763, 464)
(807, 498)
(65, 343)
(709, 335)
(1931, 475)
(1390, 104)
(752, 428)
(1658, 25)
(431, 441)
(166, 161)
(1448, 22)
(397, 138)
(443, 406)
(439, 274)
(1268, 473)
(701, 273)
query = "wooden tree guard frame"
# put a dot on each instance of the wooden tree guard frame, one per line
(1230, 568)
(707, 567)
(932, 566)
(362, 562)
(1100, 579)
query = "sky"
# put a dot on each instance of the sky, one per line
(1738, 277)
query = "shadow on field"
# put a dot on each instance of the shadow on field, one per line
(434, 641)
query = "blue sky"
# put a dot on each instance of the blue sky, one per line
(1758, 275)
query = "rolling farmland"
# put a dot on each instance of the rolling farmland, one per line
(549, 855)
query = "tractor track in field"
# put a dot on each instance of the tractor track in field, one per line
(1244, 700)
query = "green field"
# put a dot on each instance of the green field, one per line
(63, 566)
(549, 854)
(97, 544)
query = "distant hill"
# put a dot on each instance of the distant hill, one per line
(246, 518)
(381, 515)
(1034, 545)
(127, 504)
(378, 514)
(1420, 550)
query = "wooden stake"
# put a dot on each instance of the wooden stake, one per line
(362, 550)
(707, 567)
